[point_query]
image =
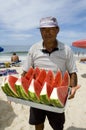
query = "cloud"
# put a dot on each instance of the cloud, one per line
(69, 36)
(25, 14)
(19, 16)
(20, 36)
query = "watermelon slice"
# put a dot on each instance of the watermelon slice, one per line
(43, 95)
(64, 86)
(41, 77)
(39, 82)
(8, 86)
(36, 81)
(62, 93)
(59, 95)
(66, 79)
(54, 99)
(29, 73)
(22, 85)
(31, 92)
(47, 88)
(49, 80)
(58, 79)
(36, 72)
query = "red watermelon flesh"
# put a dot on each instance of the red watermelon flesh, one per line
(10, 80)
(58, 79)
(39, 82)
(62, 94)
(29, 73)
(47, 88)
(36, 72)
(49, 77)
(22, 85)
(66, 79)
(37, 88)
(49, 80)
(25, 84)
(41, 77)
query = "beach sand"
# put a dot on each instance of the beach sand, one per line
(15, 116)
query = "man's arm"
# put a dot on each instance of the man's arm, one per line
(73, 85)
(73, 79)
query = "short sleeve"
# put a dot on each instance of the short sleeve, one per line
(71, 64)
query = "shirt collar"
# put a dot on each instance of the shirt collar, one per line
(60, 45)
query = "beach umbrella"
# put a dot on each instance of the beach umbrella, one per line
(1, 49)
(80, 44)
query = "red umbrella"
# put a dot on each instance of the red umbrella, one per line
(79, 43)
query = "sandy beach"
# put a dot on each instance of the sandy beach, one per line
(15, 116)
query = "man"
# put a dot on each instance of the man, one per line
(14, 58)
(50, 54)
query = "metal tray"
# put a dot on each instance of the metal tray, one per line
(39, 105)
(36, 105)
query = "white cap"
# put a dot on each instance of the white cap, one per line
(48, 22)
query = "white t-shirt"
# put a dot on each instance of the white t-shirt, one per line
(62, 58)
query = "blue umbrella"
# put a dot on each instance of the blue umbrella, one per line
(1, 49)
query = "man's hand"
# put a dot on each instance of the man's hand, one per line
(23, 74)
(73, 91)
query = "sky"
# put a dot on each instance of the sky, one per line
(19, 20)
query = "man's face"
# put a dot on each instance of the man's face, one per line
(49, 34)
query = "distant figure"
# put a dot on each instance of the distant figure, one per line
(83, 60)
(14, 58)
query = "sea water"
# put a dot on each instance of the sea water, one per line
(21, 51)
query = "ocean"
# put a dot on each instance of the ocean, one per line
(22, 50)
(17, 48)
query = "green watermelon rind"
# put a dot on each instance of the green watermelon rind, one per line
(5, 91)
(20, 92)
(24, 95)
(56, 103)
(33, 97)
(44, 99)
(8, 91)
(17, 90)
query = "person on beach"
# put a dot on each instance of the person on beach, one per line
(14, 58)
(51, 54)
